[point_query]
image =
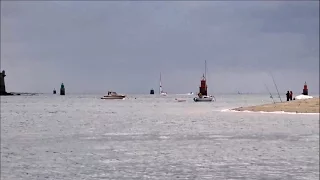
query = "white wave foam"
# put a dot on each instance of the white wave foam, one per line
(124, 134)
(226, 110)
(264, 112)
(164, 137)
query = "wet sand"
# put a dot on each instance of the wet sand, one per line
(298, 106)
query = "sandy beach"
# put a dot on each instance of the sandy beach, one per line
(298, 106)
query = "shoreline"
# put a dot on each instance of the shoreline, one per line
(305, 106)
(19, 94)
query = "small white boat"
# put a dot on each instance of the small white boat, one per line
(180, 100)
(203, 99)
(161, 92)
(113, 95)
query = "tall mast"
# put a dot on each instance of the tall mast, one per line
(205, 69)
(160, 87)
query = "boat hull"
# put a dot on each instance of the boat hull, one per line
(203, 99)
(113, 97)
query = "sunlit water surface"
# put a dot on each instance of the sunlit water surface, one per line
(153, 137)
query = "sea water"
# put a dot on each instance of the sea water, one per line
(153, 137)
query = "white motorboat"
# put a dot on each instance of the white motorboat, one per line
(202, 95)
(113, 95)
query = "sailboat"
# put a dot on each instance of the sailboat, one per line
(160, 88)
(202, 95)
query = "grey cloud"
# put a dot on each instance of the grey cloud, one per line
(125, 45)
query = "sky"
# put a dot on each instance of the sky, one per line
(93, 47)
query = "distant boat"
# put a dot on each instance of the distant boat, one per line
(202, 95)
(186, 94)
(161, 92)
(180, 100)
(113, 95)
(244, 93)
(151, 91)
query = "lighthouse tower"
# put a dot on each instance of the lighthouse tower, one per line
(305, 89)
(2, 83)
(203, 86)
(62, 90)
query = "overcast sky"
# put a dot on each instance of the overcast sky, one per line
(98, 46)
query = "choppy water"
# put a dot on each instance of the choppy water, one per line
(151, 137)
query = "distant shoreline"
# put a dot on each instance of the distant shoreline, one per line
(296, 106)
(19, 94)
